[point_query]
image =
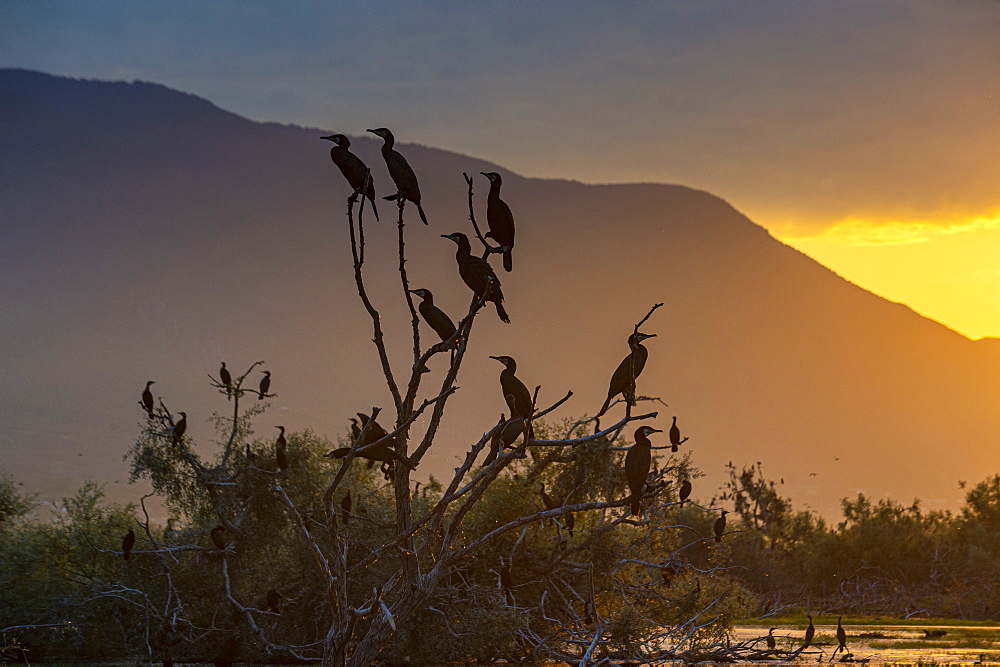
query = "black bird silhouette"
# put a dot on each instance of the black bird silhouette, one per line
(383, 452)
(217, 537)
(265, 384)
(770, 639)
(685, 491)
(505, 433)
(675, 436)
(127, 543)
(272, 599)
(478, 274)
(547, 499)
(436, 318)
(354, 170)
(514, 391)
(624, 377)
(226, 379)
(400, 171)
(720, 526)
(345, 508)
(637, 463)
(500, 219)
(251, 457)
(281, 450)
(570, 522)
(147, 398)
(506, 581)
(841, 637)
(810, 633)
(179, 428)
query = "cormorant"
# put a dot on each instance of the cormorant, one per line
(226, 379)
(281, 450)
(383, 452)
(624, 377)
(514, 391)
(810, 633)
(400, 171)
(345, 508)
(841, 637)
(354, 170)
(570, 522)
(500, 219)
(506, 581)
(272, 599)
(547, 499)
(720, 526)
(265, 384)
(637, 462)
(127, 543)
(180, 427)
(147, 398)
(770, 639)
(217, 539)
(251, 457)
(478, 274)
(675, 436)
(434, 316)
(685, 491)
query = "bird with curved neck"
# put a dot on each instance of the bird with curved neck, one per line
(637, 463)
(226, 379)
(354, 170)
(383, 452)
(720, 526)
(281, 450)
(623, 379)
(675, 436)
(500, 219)
(515, 392)
(400, 171)
(147, 398)
(478, 274)
(265, 384)
(436, 318)
(180, 428)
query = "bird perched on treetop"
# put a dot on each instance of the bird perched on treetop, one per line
(147, 398)
(180, 427)
(637, 463)
(477, 273)
(265, 384)
(400, 171)
(226, 379)
(354, 170)
(720, 526)
(383, 452)
(623, 379)
(514, 391)
(127, 543)
(436, 318)
(500, 219)
(281, 449)
(675, 436)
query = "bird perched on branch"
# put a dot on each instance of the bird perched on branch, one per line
(770, 639)
(179, 428)
(354, 170)
(281, 450)
(217, 537)
(265, 384)
(624, 377)
(226, 379)
(810, 633)
(500, 219)
(841, 637)
(720, 526)
(436, 318)
(127, 543)
(685, 491)
(637, 464)
(383, 452)
(147, 398)
(514, 391)
(400, 171)
(478, 274)
(675, 436)
(345, 508)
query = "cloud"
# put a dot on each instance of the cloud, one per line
(857, 232)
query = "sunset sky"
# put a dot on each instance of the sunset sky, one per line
(865, 134)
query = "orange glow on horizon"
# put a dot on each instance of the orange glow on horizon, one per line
(948, 271)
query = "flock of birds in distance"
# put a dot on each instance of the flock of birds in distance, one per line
(480, 277)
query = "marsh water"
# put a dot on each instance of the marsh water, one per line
(890, 644)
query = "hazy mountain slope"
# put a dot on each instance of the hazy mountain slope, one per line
(150, 235)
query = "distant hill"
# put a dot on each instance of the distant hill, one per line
(148, 234)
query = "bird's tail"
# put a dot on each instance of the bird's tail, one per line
(604, 408)
(508, 261)
(636, 500)
(502, 312)
(420, 210)
(371, 198)
(338, 453)
(718, 538)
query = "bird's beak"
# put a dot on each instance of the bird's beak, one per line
(484, 174)
(372, 131)
(643, 336)
(497, 358)
(330, 138)
(655, 430)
